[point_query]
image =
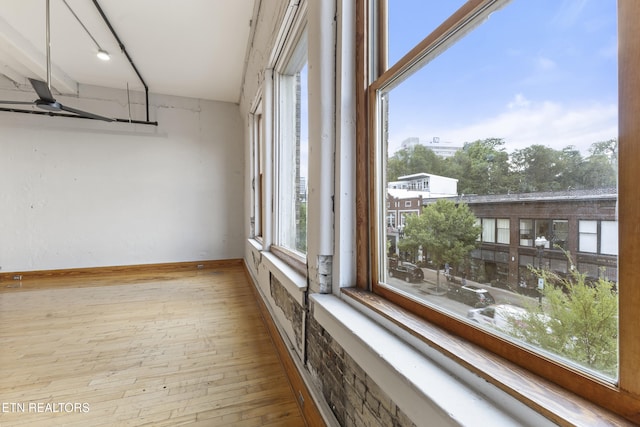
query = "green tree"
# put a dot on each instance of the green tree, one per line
(570, 169)
(416, 159)
(446, 230)
(577, 320)
(599, 172)
(537, 168)
(481, 167)
(608, 148)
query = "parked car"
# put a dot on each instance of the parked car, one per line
(470, 295)
(509, 318)
(501, 316)
(407, 271)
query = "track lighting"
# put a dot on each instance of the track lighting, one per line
(104, 55)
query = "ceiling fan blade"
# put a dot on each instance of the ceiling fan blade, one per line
(85, 113)
(42, 89)
(17, 102)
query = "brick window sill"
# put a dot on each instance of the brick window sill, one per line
(435, 368)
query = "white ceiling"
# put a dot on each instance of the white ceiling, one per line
(191, 48)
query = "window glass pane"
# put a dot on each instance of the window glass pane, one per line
(515, 120)
(293, 165)
(488, 230)
(588, 226)
(258, 179)
(503, 231)
(560, 233)
(588, 236)
(609, 237)
(410, 21)
(526, 232)
(542, 231)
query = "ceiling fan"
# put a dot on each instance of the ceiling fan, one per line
(45, 100)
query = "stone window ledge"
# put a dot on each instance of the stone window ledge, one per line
(425, 390)
(289, 277)
(483, 382)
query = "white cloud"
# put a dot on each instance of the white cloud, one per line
(545, 64)
(524, 123)
(519, 101)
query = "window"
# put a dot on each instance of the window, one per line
(291, 148)
(588, 236)
(495, 230)
(498, 88)
(407, 204)
(560, 233)
(488, 230)
(258, 162)
(542, 228)
(503, 231)
(391, 219)
(609, 237)
(526, 232)
(598, 237)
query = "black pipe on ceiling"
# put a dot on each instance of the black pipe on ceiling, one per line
(73, 116)
(124, 50)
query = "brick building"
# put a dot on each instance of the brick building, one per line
(581, 222)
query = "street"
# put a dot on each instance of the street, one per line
(431, 293)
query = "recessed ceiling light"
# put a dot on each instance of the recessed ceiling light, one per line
(104, 55)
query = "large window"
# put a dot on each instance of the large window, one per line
(292, 148)
(257, 167)
(598, 237)
(524, 97)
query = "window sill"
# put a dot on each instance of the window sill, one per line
(290, 258)
(290, 277)
(466, 360)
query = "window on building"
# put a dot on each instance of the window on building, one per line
(598, 237)
(588, 240)
(407, 204)
(555, 232)
(560, 233)
(526, 232)
(609, 237)
(292, 147)
(391, 219)
(503, 231)
(488, 230)
(543, 229)
(524, 71)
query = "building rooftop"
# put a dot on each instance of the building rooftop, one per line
(551, 196)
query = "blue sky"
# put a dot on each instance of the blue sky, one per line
(536, 72)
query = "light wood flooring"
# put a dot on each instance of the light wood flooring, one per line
(170, 349)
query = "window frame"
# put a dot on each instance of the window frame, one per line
(293, 56)
(258, 165)
(373, 75)
(597, 235)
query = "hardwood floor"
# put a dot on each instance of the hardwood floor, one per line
(170, 349)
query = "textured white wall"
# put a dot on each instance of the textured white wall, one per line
(81, 193)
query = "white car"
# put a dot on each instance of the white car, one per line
(500, 316)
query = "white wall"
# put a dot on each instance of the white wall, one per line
(82, 193)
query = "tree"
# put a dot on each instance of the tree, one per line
(416, 159)
(578, 320)
(537, 168)
(481, 167)
(609, 149)
(446, 230)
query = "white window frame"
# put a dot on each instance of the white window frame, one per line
(292, 59)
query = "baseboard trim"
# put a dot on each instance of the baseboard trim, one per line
(120, 269)
(306, 403)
